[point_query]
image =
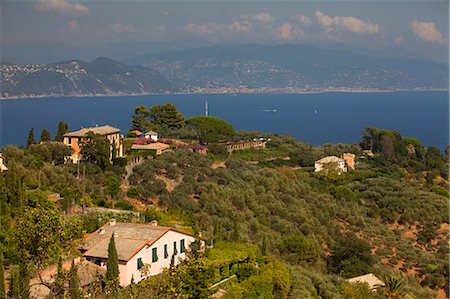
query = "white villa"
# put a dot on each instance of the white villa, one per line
(151, 135)
(138, 245)
(373, 281)
(2, 166)
(330, 163)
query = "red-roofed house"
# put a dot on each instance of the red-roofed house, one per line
(137, 245)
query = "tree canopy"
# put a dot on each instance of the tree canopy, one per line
(45, 136)
(211, 129)
(63, 128)
(96, 149)
(157, 117)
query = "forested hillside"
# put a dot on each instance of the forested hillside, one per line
(282, 229)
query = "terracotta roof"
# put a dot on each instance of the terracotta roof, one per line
(130, 238)
(151, 133)
(368, 278)
(103, 130)
(330, 159)
(137, 132)
(150, 146)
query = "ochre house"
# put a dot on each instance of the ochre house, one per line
(75, 139)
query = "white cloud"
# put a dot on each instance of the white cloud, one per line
(63, 7)
(427, 31)
(121, 28)
(349, 23)
(263, 17)
(203, 29)
(213, 28)
(303, 19)
(243, 26)
(287, 31)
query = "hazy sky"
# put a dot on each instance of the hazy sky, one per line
(419, 26)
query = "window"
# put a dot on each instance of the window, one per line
(182, 246)
(166, 251)
(175, 252)
(140, 264)
(70, 140)
(154, 255)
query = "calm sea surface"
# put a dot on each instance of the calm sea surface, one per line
(312, 118)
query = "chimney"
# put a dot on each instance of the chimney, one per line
(112, 222)
(154, 223)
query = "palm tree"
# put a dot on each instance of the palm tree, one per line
(394, 286)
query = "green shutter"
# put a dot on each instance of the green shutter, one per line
(140, 264)
(166, 251)
(154, 255)
(175, 251)
(182, 246)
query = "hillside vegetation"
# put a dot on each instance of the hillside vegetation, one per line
(282, 229)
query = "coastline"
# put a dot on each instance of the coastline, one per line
(231, 91)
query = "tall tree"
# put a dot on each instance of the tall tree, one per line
(112, 267)
(63, 128)
(2, 278)
(170, 117)
(113, 185)
(96, 149)
(74, 282)
(45, 135)
(60, 279)
(211, 129)
(141, 118)
(14, 285)
(31, 139)
(20, 283)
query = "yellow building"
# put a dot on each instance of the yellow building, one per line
(74, 140)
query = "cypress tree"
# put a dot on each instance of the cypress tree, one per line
(45, 135)
(63, 128)
(112, 267)
(24, 280)
(74, 282)
(2, 278)
(264, 246)
(31, 139)
(59, 281)
(14, 286)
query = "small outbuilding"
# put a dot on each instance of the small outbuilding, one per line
(373, 281)
(2, 165)
(330, 164)
(151, 135)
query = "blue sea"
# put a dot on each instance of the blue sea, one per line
(320, 118)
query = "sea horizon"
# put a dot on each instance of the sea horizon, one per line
(308, 117)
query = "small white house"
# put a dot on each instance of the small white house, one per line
(151, 135)
(373, 281)
(143, 249)
(2, 166)
(330, 163)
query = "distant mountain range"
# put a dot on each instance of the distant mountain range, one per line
(296, 66)
(232, 68)
(101, 76)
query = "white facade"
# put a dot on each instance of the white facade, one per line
(331, 162)
(131, 268)
(151, 135)
(143, 249)
(2, 166)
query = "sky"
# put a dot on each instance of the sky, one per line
(420, 27)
